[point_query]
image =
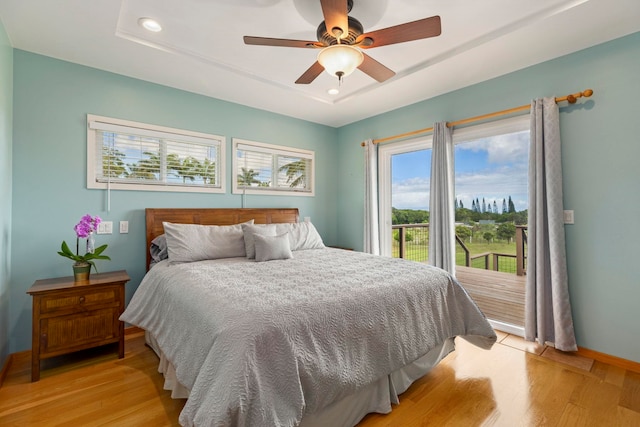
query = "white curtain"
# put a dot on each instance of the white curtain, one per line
(547, 306)
(371, 221)
(442, 250)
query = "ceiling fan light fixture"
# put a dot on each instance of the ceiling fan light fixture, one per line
(340, 60)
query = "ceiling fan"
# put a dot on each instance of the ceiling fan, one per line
(341, 38)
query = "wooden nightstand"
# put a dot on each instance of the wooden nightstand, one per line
(69, 316)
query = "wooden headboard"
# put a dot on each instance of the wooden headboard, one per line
(212, 216)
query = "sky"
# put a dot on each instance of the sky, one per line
(492, 168)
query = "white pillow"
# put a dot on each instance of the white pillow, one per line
(249, 230)
(194, 242)
(272, 247)
(302, 235)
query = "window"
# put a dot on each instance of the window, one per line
(491, 205)
(491, 167)
(124, 155)
(272, 169)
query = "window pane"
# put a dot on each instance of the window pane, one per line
(189, 163)
(490, 171)
(256, 169)
(129, 157)
(491, 197)
(292, 172)
(410, 180)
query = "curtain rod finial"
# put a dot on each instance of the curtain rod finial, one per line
(587, 93)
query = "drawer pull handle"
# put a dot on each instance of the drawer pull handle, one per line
(81, 299)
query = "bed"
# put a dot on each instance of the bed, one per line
(320, 337)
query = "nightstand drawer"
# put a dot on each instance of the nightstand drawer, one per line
(79, 300)
(80, 330)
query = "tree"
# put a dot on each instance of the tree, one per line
(208, 171)
(148, 168)
(296, 173)
(495, 207)
(188, 168)
(504, 206)
(113, 164)
(512, 207)
(461, 205)
(488, 236)
(248, 177)
(408, 236)
(506, 231)
(463, 232)
(484, 206)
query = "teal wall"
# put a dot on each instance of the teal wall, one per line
(48, 194)
(52, 99)
(601, 150)
(6, 120)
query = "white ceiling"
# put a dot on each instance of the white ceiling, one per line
(201, 49)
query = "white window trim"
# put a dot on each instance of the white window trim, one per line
(105, 123)
(386, 151)
(497, 127)
(271, 148)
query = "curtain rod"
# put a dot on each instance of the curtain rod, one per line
(571, 99)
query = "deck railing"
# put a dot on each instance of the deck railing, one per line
(496, 261)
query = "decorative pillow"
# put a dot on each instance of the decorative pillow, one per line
(194, 242)
(158, 248)
(249, 230)
(272, 247)
(302, 235)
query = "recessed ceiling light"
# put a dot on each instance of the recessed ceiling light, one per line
(150, 24)
(333, 91)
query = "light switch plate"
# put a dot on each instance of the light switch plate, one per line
(105, 227)
(124, 227)
(568, 217)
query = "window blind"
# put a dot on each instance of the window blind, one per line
(135, 155)
(262, 167)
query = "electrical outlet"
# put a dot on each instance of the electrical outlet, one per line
(568, 217)
(124, 227)
(105, 227)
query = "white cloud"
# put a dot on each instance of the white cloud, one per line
(412, 193)
(510, 148)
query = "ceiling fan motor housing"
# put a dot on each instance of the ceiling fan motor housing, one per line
(355, 30)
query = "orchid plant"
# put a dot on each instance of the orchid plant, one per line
(84, 230)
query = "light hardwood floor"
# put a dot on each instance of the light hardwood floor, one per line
(513, 384)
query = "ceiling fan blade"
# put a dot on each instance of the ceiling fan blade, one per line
(416, 30)
(310, 75)
(266, 41)
(375, 69)
(335, 16)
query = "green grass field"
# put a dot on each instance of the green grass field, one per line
(420, 252)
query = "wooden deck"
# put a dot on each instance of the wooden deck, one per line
(500, 296)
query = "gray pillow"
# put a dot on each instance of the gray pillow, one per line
(249, 230)
(272, 247)
(194, 242)
(158, 248)
(302, 235)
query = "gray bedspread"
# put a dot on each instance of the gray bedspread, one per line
(261, 344)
